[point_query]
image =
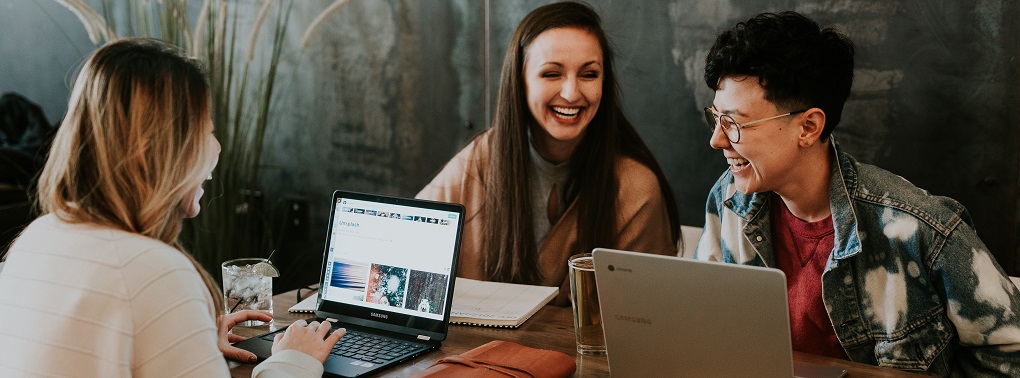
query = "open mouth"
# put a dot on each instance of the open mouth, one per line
(737, 164)
(566, 113)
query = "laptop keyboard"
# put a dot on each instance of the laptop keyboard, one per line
(373, 348)
(369, 347)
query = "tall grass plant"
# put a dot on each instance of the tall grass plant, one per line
(242, 61)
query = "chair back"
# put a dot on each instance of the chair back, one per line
(691, 235)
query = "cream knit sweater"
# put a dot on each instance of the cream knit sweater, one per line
(87, 301)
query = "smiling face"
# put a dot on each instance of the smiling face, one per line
(190, 206)
(563, 81)
(766, 158)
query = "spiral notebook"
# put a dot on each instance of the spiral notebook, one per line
(306, 305)
(483, 303)
(497, 304)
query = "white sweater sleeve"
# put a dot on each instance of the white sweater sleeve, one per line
(175, 333)
(174, 312)
(111, 303)
(105, 303)
(288, 363)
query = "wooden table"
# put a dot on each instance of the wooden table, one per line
(551, 328)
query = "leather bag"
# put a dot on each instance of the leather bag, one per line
(503, 359)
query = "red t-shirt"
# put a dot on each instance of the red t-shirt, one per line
(801, 249)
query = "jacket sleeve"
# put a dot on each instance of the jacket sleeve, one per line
(642, 216)
(982, 303)
(710, 244)
(448, 184)
(460, 174)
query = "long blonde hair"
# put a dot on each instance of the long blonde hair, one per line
(133, 144)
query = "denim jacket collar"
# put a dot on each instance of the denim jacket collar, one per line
(843, 181)
(754, 207)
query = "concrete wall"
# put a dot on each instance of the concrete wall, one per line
(389, 90)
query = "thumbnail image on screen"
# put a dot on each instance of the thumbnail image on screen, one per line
(386, 285)
(349, 275)
(426, 292)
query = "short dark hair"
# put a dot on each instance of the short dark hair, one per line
(797, 64)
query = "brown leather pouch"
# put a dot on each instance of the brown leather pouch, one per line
(503, 359)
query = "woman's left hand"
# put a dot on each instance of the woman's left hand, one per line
(225, 339)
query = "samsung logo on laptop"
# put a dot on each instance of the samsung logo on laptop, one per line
(378, 315)
(622, 269)
(633, 319)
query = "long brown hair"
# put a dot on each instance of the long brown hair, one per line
(508, 240)
(133, 144)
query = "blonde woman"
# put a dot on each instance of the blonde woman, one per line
(99, 286)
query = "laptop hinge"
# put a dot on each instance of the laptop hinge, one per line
(423, 337)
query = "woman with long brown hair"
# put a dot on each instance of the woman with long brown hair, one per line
(562, 170)
(99, 285)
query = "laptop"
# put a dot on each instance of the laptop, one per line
(706, 319)
(387, 276)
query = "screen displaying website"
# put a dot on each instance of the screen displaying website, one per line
(391, 257)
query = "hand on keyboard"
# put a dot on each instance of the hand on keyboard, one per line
(374, 348)
(313, 339)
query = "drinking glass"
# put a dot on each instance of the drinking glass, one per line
(245, 289)
(585, 300)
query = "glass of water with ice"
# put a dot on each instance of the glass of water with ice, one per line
(247, 286)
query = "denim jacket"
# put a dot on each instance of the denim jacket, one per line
(908, 284)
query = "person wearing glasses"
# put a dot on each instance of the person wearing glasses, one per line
(878, 271)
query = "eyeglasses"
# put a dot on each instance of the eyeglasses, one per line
(730, 127)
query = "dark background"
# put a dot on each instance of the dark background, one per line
(390, 90)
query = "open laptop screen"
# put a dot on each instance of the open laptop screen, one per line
(389, 259)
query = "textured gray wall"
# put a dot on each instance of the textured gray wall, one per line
(934, 98)
(382, 99)
(390, 89)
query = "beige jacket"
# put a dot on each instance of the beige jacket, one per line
(642, 216)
